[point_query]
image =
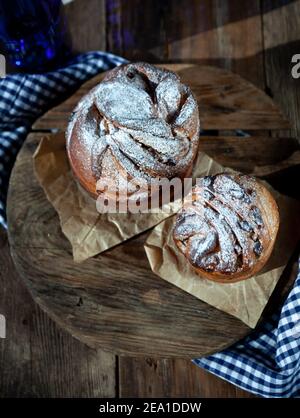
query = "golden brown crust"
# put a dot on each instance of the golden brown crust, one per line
(140, 122)
(227, 227)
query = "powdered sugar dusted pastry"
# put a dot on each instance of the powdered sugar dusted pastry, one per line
(227, 228)
(139, 122)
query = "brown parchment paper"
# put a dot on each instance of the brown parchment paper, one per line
(245, 299)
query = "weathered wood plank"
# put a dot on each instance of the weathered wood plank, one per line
(37, 358)
(87, 24)
(214, 32)
(225, 34)
(170, 378)
(135, 27)
(281, 31)
(255, 155)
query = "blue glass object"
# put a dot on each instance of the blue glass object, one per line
(33, 34)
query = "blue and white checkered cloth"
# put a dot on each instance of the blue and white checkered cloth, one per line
(268, 361)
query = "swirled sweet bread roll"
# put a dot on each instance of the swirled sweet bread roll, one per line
(227, 227)
(140, 122)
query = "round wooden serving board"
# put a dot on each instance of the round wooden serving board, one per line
(114, 301)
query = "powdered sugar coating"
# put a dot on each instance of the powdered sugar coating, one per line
(222, 227)
(140, 117)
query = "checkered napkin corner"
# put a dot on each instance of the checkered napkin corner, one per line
(267, 362)
(24, 97)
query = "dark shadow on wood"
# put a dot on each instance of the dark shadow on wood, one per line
(286, 181)
(145, 24)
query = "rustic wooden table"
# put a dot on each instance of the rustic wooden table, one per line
(254, 38)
